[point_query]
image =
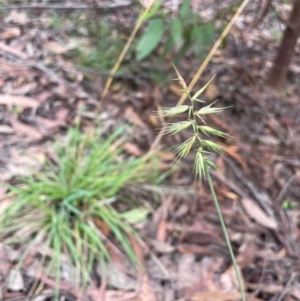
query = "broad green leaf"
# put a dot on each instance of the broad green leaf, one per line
(168, 45)
(198, 39)
(190, 19)
(209, 33)
(177, 31)
(150, 39)
(185, 8)
(202, 38)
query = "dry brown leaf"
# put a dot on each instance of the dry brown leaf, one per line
(168, 156)
(189, 272)
(10, 33)
(13, 296)
(295, 292)
(190, 248)
(52, 124)
(229, 281)
(46, 125)
(161, 247)
(12, 51)
(120, 296)
(63, 285)
(266, 288)
(18, 17)
(182, 210)
(6, 129)
(198, 232)
(209, 267)
(11, 69)
(154, 120)
(146, 292)
(133, 117)
(43, 96)
(247, 254)
(62, 114)
(57, 48)
(133, 149)
(101, 291)
(24, 129)
(23, 163)
(162, 232)
(211, 92)
(24, 89)
(20, 101)
(12, 253)
(117, 276)
(4, 261)
(231, 195)
(15, 281)
(232, 151)
(105, 230)
(138, 249)
(176, 89)
(256, 213)
(215, 296)
(221, 124)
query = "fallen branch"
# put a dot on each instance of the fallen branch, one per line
(68, 7)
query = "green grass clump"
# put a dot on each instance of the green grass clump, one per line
(59, 206)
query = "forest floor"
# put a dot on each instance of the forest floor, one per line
(44, 92)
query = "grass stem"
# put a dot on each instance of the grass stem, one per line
(223, 226)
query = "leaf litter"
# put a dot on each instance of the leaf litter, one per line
(40, 95)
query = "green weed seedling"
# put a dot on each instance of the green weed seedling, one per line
(203, 147)
(58, 206)
(186, 30)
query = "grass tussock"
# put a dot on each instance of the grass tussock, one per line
(62, 205)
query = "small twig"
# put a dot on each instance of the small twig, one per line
(287, 230)
(101, 291)
(285, 188)
(264, 13)
(160, 265)
(29, 296)
(292, 162)
(287, 286)
(68, 7)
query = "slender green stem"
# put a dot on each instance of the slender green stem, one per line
(220, 216)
